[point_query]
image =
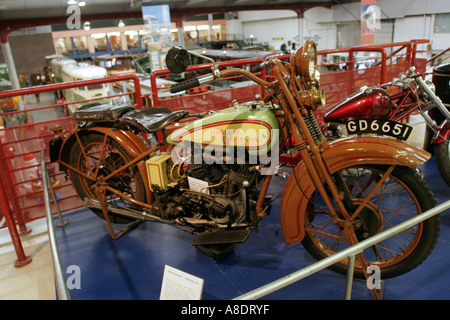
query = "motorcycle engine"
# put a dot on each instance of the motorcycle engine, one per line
(216, 192)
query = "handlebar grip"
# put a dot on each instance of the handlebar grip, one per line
(260, 67)
(184, 85)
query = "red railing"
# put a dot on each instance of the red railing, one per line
(438, 55)
(21, 197)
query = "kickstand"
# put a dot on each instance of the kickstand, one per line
(100, 192)
(377, 293)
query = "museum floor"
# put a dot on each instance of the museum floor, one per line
(131, 268)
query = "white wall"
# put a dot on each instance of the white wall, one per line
(412, 19)
(266, 25)
(287, 29)
(270, 26)
(421, 27)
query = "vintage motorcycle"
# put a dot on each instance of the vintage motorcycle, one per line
(211, 177)
(375, 110)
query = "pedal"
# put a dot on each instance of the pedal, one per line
(221, 243)
(221, 237)
(216, 251)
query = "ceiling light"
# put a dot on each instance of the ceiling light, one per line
(121, 23)
(81, 3)
(72, 2)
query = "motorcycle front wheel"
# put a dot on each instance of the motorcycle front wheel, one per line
(403, 195)
(97, 157)
(442, 154)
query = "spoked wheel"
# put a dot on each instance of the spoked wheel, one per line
(442, 153)
(100, 157)
(403, 195)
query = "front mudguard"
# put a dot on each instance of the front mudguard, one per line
(340, 154)
(442, 134)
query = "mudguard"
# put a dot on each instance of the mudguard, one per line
(340, 154)
(442, 134)
(134, 145)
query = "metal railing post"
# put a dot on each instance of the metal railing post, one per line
(61, 288)
(350, 271)
(22, 259)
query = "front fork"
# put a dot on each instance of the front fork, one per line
(351, 224)
(347, 214)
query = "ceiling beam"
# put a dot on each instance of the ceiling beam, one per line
(299, 8)
(15, 24)
(177, 14)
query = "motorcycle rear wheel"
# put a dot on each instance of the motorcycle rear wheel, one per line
(442, 154)
(402, 196)
(112, 157)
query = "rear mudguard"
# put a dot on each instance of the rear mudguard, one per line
(131, 142)
(134, 145)
(340, 154)
(442, 134)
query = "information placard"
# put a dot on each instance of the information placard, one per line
(179, 285)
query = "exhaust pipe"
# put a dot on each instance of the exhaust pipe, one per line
(95, 204)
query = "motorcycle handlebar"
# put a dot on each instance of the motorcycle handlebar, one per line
(411, 75)
(261, 66)
(434, 97)
(184, 85)
(191, 83)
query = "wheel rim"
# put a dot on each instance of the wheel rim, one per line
(382, 209)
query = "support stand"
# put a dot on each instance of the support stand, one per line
(100, 192)
(377, 294)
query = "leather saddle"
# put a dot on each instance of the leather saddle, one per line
(149, 119)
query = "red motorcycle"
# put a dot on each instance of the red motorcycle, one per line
(383, 110)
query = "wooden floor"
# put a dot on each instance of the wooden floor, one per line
(34, 281)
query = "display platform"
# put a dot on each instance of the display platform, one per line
(132, 267)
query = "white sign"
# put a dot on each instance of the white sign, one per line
(198, 185)
(179, 285)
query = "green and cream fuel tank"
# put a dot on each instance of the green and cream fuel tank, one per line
(251, 126)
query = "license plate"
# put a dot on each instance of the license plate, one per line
(379, 127)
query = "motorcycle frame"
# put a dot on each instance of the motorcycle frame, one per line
(409, 108)
(404, 108)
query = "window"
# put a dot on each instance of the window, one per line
(442, 24)
(95, 86)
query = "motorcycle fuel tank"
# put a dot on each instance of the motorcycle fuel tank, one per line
(251, 125)
(368, 103)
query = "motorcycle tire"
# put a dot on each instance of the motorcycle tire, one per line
(129, 181)
(442, 154)
(403, 195)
